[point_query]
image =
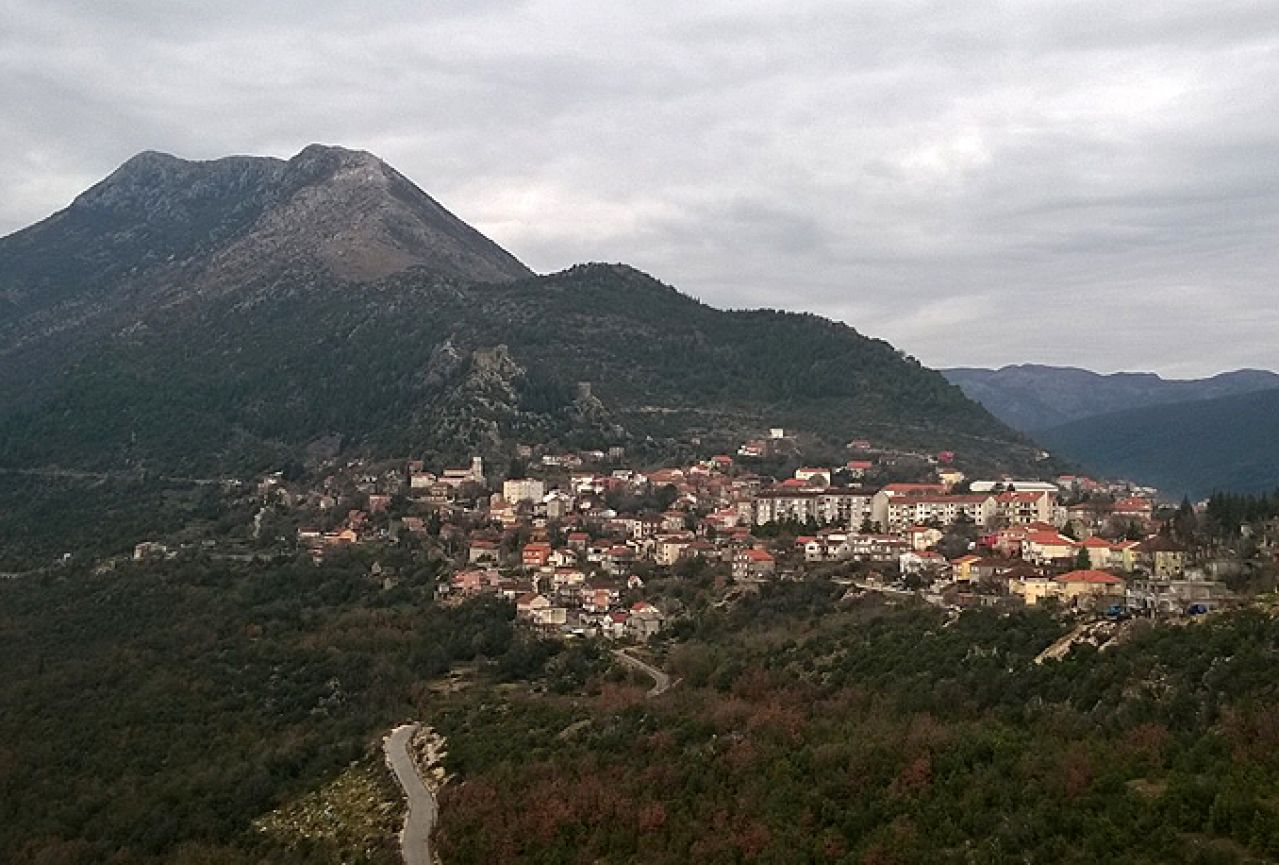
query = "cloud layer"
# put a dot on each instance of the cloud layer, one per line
(1085, 183)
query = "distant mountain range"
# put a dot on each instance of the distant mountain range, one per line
(227, 315)
(1186, 448)
(1033, 397)
(1183, 436)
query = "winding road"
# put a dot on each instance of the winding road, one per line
(415, 837)
(661, 681)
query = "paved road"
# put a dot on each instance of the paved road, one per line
(415, 839)
(661, 681)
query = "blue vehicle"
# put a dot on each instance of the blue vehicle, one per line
(1117, 612)
(1197, 609)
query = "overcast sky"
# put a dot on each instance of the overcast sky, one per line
(1084, 183)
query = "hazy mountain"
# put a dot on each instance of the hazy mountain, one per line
(225, 314)
(1182, 448)
(1032, 397)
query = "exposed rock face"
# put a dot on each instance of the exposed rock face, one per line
(361, 220)
(159, 222)
(162, 232)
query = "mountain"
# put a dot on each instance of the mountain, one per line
(222, 316)
(1194, 448)
(1032, 397)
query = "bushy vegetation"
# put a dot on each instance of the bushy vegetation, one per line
(151, 714)
(42, 517)
(879, 735)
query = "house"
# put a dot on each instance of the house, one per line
(457, 477)
(1018, 508)
(876, 548)
(1162, 595)
(923, 537)
(619, 559)
(1084, 588)
(599, 596)
(813, 477)
(644, 620)
(1089, 587)
(149, 550)
(538, 610)
(473, 582)
(563, 558)
(753, 564)
(482, 550)
(535, 554)
(669, 549)
(1101, 553)
(897, 506)
(1033, 588)
(962, 568)
(701, 549)
(567, 578)
(523, 490)
(1047, 547)
(927, 562)
(785, 505)
(557, 504)
(1134, 508)
(1162, 556)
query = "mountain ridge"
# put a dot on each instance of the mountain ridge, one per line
(1187, 448)
(1032, 397)
(238, 314)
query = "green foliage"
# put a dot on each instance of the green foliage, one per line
(393, 368)
(880, 734)
(158, 710)
(1227, 512)
(1194, 447)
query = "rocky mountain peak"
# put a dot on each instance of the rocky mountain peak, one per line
(183, 226)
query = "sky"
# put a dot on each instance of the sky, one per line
(1079, 183)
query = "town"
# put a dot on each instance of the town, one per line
(577, 541)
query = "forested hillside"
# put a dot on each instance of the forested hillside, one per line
(1033, 397)
(878, 735)
(153, 713)
(162, 713)
(417, 363)
(1188, 448)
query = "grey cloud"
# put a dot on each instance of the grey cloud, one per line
(1071, 182)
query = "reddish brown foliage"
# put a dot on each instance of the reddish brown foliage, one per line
(914, 779)
(1252, 733)
(751, 839)
(652, 817)
(1148, 741)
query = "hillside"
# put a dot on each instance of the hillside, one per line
(219, 317)
(1191, 448)
(1032, 397)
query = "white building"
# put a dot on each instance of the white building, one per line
(523, 490)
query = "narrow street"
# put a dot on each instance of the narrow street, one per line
(661, 681)
(415, 838)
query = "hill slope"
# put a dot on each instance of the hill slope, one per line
(240, 309)
(1191, 447)
(1032, 397)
